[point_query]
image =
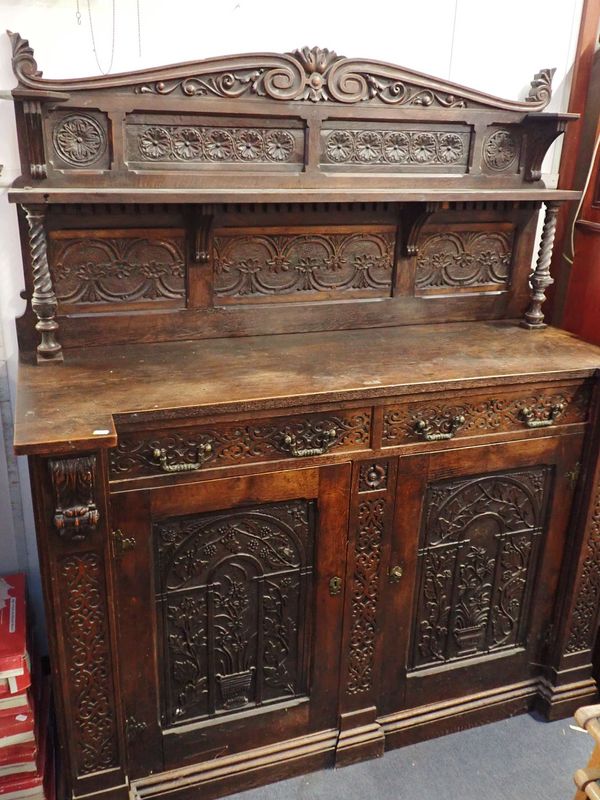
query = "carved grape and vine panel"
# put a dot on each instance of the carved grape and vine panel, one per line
(396, 148)
(482, 415)
(464, 260)
(87, 655)
(240, 443)
(136, 266)
(254, 264)
(234, 592)
(477, 564)
(198, 144)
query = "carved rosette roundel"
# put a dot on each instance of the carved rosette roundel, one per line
(79, 140)
(500, 150)
(395, 147)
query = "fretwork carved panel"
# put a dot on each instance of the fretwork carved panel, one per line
(477, 564)
(467, 259)
(234, 592)
(303, 263)
(397, 148)
(118, 268)
(87, 651)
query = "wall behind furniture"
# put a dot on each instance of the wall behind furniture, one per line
(493, 47)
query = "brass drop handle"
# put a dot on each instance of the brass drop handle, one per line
(160, 455)
(335, 585)
(395, 574)
(529, 418)
(289, 444)
(424, 429)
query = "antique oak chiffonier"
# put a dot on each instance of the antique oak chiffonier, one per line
(311, 476)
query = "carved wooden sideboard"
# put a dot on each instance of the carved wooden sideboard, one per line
(311, 476)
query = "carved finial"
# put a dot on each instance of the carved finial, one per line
(316, 63)
(540, 90)
(23, 62)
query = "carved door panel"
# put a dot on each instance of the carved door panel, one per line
(480, 535)
(229, 619)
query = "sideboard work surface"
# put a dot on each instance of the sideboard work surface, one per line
(312, 477)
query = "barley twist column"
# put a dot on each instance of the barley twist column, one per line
(541, 278)
(43, 300)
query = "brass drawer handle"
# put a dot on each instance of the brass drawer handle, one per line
(528, 416)
(395, 574)
(289, 444)
(424, 429)
(160, 455)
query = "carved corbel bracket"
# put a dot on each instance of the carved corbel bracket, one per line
(34, 127)
(202, 234)
(541, 278)
(73, 484)
(545, 128)
(414, 217)
(43, 300)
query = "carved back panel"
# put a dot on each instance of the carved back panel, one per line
(478, 559)
(234, 599)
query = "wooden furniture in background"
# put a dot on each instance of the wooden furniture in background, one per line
(587, 779)
(311, 476)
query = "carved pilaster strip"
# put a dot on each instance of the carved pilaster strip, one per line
(73, 483)
(43, 301)
(32, 111)
(583, 626)
(541, 278)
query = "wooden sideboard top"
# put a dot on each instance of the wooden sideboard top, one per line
(60, 406)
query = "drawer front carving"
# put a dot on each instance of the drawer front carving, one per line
(156, 452)
(477, 564)
(407, 423)
(297, 264)
(235, 592)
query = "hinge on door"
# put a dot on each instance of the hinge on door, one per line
(572, 475)
(133, 728)
(121, 543)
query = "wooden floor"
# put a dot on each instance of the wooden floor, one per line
(510, 760)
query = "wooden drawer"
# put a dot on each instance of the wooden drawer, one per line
(478, 414)
(189, 448)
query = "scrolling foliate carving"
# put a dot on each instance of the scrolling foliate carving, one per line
(477, 562)
(74, 485)
(584, 619)
(99, 269)
(464, 259)
(88, 663)
(311, 74)
(482, 415)
(244, 442)
(365, 592)
(258, 264)
(236, 585)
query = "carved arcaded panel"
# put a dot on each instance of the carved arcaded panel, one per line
(80, 140)
(464, 260)
(477, 563)
(263, 440)
(481, 414)
(396, 148)
(584, 620)
(200, 144)
(98, 267)
(234, 593)
(370, 524)
(87, 656)
(253, 264)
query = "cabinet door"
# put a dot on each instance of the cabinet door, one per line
(229, 619)
(480, 535)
